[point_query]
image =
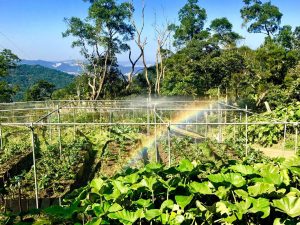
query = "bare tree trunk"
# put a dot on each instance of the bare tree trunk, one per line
(141, 45)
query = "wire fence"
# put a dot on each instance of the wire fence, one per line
(159, 119)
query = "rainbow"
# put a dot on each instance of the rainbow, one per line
(148, 142)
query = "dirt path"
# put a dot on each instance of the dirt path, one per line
(275, 151)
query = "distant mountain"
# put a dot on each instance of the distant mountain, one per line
(25, 76)
(72, 66)
(69, 66)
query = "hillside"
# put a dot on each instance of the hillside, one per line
(26, 75)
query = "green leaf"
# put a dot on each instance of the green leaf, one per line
(235, 179)
(216, 178)
(271, 174)
(277, 222)
(153, 167)
(243, 169)
(289, 205)
(152, 213)
(200, 206)
(115, 207)
(144, 203)
(185, 166)
(222, 208)
(260, 189)
(201, 188)
(95, 221)
(130, 179)
(126, 217)
(242, 194)
(96, 185)
(100, 209)
(260, 205)
(294, 192)
(148, 182)
(120, 187)
(222, 192)
(183, 201)
(167, 204)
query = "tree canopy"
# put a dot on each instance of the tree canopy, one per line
(261, 17)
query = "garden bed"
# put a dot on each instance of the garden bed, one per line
(15, 166)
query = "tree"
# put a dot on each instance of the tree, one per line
(222, 30)
(263, 17)
(8, 61)
(40, 91)
(141, 45)
(101, 36)
(162, 34)
(192, 18)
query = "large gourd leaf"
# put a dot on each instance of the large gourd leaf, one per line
(243, 169)
(260, 189)
(289, 205)
(152, 213)
(126, 217)
(201, 188)
(260, 205)
(185, 166)
(183, 201)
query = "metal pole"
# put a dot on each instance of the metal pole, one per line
(34, 167)
(169, 144)
(284, 138)
(219, 126)
(234, 130)
(246, 130)
(155, 135)
(59, 131)
(1, 140)
(296, 141)
(74, 120)
(206, 126)
(148, 118)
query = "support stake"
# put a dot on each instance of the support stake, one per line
(34, 166)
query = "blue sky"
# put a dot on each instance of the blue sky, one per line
(32, 28)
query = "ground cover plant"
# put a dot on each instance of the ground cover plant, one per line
(268, 135)
(55, 174)
(235, 192)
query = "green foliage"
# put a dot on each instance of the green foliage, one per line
(41, 91)
(222, 29)
(264, 17)
(233, 194)
(24, 76)
(192, 18)
(106, 27)
(8, 62)
(268, 135)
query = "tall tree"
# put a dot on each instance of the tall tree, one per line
(40, 91)
(141, 44)
(8, 61)
(101, 36)
(192, 18)
(222, 29)
(261, 17)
